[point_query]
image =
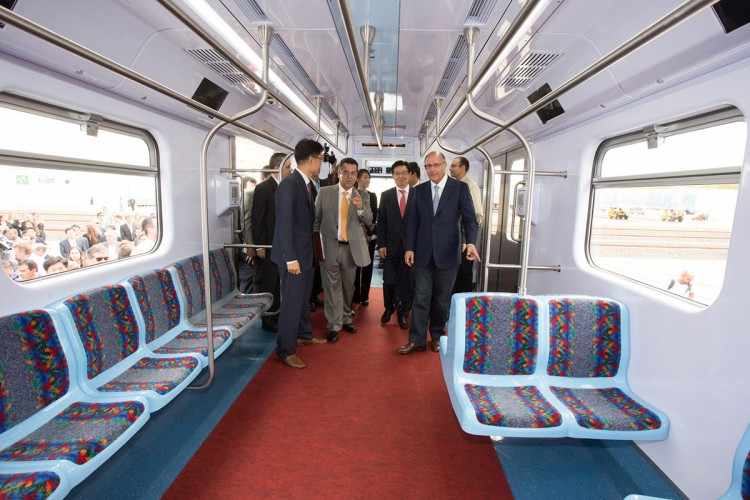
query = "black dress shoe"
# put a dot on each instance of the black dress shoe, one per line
(270, 325)
(402, 321)
(350, 328)
(386, 317)
(332, 337)
(365, 303)
(411, 347)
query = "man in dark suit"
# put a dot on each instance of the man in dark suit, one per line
(293, 251)
(363, 278)
(263, 224)
(433, 247)
(398, 284)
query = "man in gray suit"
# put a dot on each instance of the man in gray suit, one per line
(340, 214)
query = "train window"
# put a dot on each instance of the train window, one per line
(663, 204)
(78, 190)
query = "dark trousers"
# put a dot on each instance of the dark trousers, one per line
(317, 285)
(294, 314)
(432, 297)
(363, 279)
(465, 276)
(267, 280)
(398, 296)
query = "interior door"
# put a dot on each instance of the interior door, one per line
(506, 229)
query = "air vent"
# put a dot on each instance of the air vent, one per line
(452, 69)
(229, 71)
(252, 10)
(8, 4)
(733, 14)
(527, 70)
(388, 127)
(480, 11)
(551, 110)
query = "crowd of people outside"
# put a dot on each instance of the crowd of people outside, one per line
(27, 252)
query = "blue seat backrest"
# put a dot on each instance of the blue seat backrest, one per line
(190, 272)
(157, 300)
(219, 278)
(585, 337)
(745, 488)
(106, 325)
(33, 368)
(222, 261)
(502, 335)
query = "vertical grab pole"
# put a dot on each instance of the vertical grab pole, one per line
(470, 32)
(487, 230)
(265, 34)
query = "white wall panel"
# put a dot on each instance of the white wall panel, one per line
(690, 362)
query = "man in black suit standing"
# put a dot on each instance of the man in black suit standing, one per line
(398, 287)
(263, 224)
(293, 251)
(433, 247)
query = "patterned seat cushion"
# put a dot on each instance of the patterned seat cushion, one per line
(190, 273)
(501, 335)
(584, 338)
(745, 487)
(33, 368)
(28, 485)
(222, 272)
(153, 374)
(518, 407)
(106, 324)
(157, 299)
(608, 409)
(258, 303)
(189, 341)
(77, 434)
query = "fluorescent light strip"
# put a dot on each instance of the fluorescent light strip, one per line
(244, 51)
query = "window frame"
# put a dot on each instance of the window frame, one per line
(730, 175)
(40, 161)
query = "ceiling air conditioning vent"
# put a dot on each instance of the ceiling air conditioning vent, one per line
(251, 9)
(229, 71)
(480, 10)
(527, 70)
(733, 14)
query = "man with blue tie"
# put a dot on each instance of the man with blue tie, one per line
(433, 248)
(293, 251)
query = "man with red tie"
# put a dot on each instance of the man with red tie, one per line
(398, 284)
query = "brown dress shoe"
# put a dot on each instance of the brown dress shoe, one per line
(314, 340)
(411, 347)
(294, 361)
(435, 345)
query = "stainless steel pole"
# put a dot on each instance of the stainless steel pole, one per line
(62, 42)
(265, 34)
(349, 27)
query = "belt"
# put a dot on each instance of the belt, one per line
(343, 242)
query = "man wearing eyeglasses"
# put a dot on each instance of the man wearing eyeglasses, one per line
(433, 248)
(340, 212)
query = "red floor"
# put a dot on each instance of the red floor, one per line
(359, 422)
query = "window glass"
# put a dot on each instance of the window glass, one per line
(55, 217)
(514, 222)
(22, 131)
(672, 234)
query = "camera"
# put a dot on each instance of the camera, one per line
(328, 155)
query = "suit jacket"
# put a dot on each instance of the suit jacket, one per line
(126, 233)
(391, 231)
(437, 236)
(327, 222)
(292, 238)
(374, 210)
(263, 212)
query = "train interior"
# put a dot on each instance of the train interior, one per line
(609, 142)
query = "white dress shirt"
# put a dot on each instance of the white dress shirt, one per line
(440, 185)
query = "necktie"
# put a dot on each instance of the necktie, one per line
(343, 218)
(435, 199)
(402, 202)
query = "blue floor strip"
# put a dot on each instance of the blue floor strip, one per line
(580, 469)
(150, 462)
